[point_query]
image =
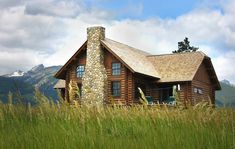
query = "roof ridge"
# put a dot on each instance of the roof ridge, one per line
(203, 54)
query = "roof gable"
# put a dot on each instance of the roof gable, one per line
(211, 72)
(136, 60)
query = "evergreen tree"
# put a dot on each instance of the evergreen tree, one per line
(184, 46)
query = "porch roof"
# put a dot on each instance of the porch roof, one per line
(60, 84)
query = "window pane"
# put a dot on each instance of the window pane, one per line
(116, 68)
(80, 71)
(116, 88)
(200, 91)
(197, 90)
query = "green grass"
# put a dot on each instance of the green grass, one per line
(62, 126)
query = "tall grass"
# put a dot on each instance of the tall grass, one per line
(60, 125)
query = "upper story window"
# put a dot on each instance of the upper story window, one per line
(116, 69)
(80, 71)
(198, 90)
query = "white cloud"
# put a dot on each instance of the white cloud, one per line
(12, 61)
(224, 66)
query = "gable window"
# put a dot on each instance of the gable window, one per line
(116, 88)
(198, 90)
(116, 69)
(80, 71)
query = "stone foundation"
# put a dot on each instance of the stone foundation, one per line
(94, 82)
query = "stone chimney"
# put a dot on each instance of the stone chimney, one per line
(94, 83)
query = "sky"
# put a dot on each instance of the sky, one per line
(50, 31)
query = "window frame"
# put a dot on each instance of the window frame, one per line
(80, 74)
(116, 69)
(117, 90)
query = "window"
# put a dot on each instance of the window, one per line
(116, 88)
(198, 90)
(116, 69)
(80, 71)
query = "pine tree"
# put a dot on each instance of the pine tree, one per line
(184, 46)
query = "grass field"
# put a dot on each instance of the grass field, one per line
(62, 126)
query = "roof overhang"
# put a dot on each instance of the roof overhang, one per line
(212, 73)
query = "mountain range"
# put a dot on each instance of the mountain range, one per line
(23, 84)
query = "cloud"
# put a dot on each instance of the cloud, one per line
(29, 32)
(12, 61)
(10, 3)
(61, 8)
(223, 65)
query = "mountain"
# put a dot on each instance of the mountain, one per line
(24, 83)
(226, 96)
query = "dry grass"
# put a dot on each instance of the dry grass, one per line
(50, 125)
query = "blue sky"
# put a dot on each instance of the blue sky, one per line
(145, 9)
(50, 31)
(148, 9)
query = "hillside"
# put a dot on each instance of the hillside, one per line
(226, 97)
(16, 86)
(38, 77)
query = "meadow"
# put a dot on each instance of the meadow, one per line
(60, 125)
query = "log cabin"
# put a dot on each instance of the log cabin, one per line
(105, 70)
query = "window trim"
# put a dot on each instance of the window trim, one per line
(116, 69)
(118, 89)
(81, 72)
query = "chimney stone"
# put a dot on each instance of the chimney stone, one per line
(94, 82)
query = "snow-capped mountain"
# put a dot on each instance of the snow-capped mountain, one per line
(38, 77)
(17, 73)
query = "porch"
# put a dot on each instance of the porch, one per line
(156, 94)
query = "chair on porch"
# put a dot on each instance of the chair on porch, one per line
(150, 100)
(171, 100)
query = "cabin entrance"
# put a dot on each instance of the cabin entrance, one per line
(165, 93)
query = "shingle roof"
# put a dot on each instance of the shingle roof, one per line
(135, 59)
(60, 84)
(177, 67)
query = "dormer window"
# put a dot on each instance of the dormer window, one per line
(116, 69)
(80, 71)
